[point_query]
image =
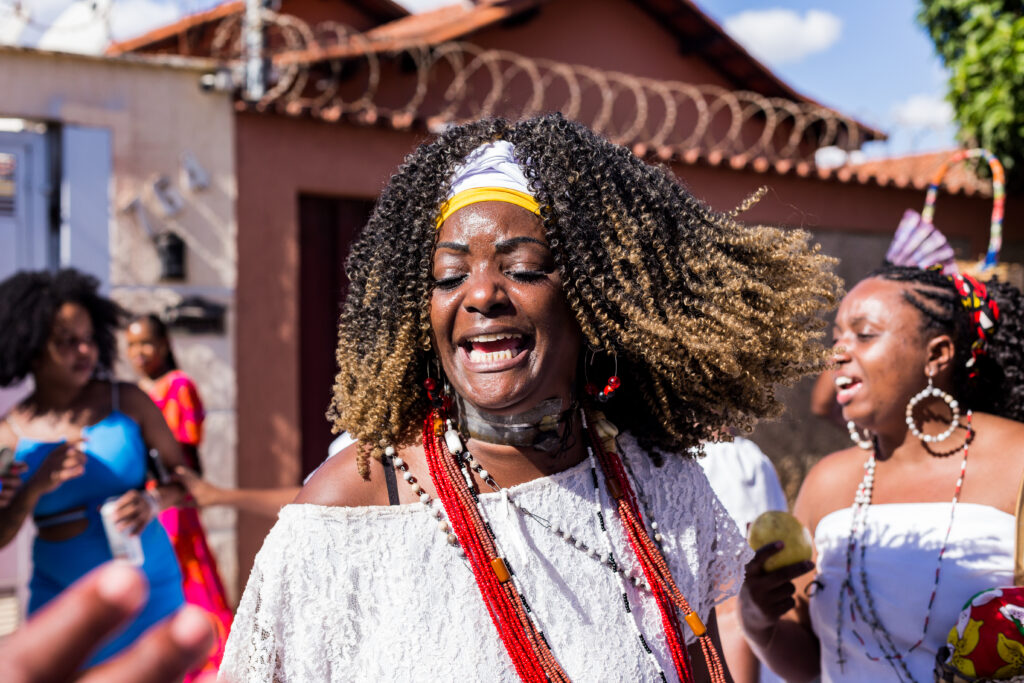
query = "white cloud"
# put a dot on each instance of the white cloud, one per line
(830, 157)
(923, 111)
(87, 26)
(780, 36)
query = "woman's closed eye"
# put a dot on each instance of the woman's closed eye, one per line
(525, 275)
(449, 282)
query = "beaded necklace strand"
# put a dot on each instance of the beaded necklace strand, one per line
(606, 558)
(858, 532)
(667, 595)
(523, 640)
(474, 538)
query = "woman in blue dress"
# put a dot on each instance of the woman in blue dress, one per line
(80, 441)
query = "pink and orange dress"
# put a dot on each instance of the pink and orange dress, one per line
(176, 396)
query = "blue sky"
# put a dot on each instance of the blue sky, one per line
(879, 65)
(868, 59)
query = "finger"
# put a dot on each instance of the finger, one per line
(127, 499)
(10, 483)
(783, 574)
(777, 610)
(69, 473)
(186, 475)
(779, 593)
(761, 555)
(164, 653)
(78, 620)
(72, 462)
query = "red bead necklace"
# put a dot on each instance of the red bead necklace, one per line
(522, 637)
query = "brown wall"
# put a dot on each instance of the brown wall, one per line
(605, 34)
(278, 159)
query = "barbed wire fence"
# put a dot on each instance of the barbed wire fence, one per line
(331, 71)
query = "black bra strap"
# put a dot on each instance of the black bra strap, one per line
(391, 480)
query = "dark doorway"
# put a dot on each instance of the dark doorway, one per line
(327, 226)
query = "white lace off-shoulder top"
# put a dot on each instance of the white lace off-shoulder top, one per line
(378, 594)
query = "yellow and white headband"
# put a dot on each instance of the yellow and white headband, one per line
(490, 173)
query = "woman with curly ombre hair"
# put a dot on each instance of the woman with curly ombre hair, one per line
(539, 332)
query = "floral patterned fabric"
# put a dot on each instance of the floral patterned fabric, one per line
(988, 639)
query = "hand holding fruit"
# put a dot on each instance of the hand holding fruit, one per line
(776, 525)
(782, 552)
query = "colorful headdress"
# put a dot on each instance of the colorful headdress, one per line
(919, 244)
(490, 173)
(982, 308)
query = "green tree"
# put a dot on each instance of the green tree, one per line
(981, 42)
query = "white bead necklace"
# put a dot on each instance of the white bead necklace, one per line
(890, 652)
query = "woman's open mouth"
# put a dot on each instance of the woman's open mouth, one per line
(495, 351)
(846, 389)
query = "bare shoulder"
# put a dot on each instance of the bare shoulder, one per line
(829, 486)
(997, 454)
(338, 483)
(131, 397)
(999, 431)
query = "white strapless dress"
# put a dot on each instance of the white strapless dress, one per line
(903, 545)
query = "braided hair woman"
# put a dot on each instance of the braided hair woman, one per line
(521, 293)
(929, 376)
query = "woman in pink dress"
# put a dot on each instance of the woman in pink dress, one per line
(175, 394)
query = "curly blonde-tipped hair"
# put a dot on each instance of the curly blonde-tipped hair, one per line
(704, 316)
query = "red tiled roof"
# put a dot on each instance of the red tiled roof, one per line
(176, 28)
(910, 172)
(917, 171)
(382, 10)
(433, 27)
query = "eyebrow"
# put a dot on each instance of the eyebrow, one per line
(505, 246)
(502, 246)
(454, 246)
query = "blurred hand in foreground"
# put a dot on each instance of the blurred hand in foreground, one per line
(54, 643)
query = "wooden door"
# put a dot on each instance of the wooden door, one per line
(327, 227)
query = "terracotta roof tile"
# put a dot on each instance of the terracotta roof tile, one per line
(917, 171)
(178, 27)
(912, 171)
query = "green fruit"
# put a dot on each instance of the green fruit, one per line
(775, 525)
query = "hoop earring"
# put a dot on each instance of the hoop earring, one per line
(432, 385)
(610, 388)
(862, 440)
(954, 405)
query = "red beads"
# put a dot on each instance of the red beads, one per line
(430, 384)
(591, 389)
(609, 389)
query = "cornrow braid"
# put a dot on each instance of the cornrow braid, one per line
(998, 386)
(703, 315)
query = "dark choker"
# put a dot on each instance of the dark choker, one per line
(538, 427)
